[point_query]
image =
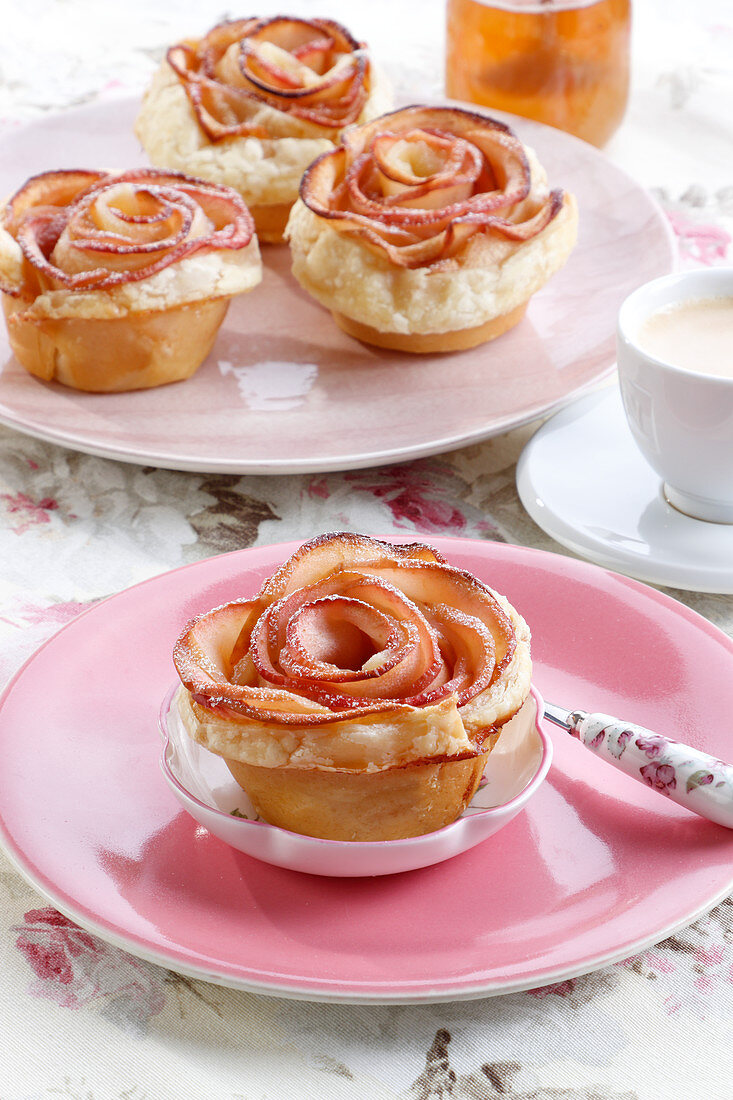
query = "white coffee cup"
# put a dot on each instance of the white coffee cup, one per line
(681, 420)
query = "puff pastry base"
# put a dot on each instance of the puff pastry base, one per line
(431, 342)
(111, 355)
(385, 805)
(447, 307)
(270, 221)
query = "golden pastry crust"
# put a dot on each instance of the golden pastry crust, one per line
(389, 805)
(357, 658)
(114, 354)
(263, 170)
(370, 743)
(431, 343)
(345, 276)
(195, 279)
(262, 155)
(116, 281)
(370, 806)
(460, 268)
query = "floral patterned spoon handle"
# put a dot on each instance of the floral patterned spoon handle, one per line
(688, 776)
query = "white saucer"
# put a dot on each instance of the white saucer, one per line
(204, 786)
(583, 481)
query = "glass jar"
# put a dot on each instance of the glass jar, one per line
(563, 62)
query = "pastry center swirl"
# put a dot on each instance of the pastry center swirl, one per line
(418, 184)
(391, 632)
(312, 70)
(91, 230)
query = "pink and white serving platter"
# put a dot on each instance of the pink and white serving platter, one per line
(284, 391)
(595, 868)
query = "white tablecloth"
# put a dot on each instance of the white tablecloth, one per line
(84, 1020)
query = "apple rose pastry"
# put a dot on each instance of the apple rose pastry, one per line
(254, 101)
(428, 230)
(120, 281)
(359, 694)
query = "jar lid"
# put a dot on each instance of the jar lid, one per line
(538, 6)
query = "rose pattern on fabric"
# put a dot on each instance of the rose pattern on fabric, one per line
(692, 970)
(702, 222)
(558, 989)
(426, 497)
(413, 497)
(416, 185)
(233, 521)
(57, 614)
(25, 625)
(85, 230)
(490, 1081)
(114, 522)
(705, 244)
(25, 512)
(311, 70)
(74, 968)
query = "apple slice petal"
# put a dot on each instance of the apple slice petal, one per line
(312, 70)
(80, 230)
(348, 627)
(418, 183)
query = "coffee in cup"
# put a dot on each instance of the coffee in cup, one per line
(675, 362)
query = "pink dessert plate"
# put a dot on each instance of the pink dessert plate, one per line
(204, 786)
(285, 391)
(595, 868)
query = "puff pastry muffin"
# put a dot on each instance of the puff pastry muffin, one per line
(428, 229)
(254, 101)
(359, 694)
(120, 281)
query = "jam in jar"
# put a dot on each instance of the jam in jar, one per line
(563, 62)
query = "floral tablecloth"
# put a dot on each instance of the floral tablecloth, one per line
(84, 1020)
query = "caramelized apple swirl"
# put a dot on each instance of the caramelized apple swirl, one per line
(356, 653)
(91, 231)
(311, 70)
(418, 184)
